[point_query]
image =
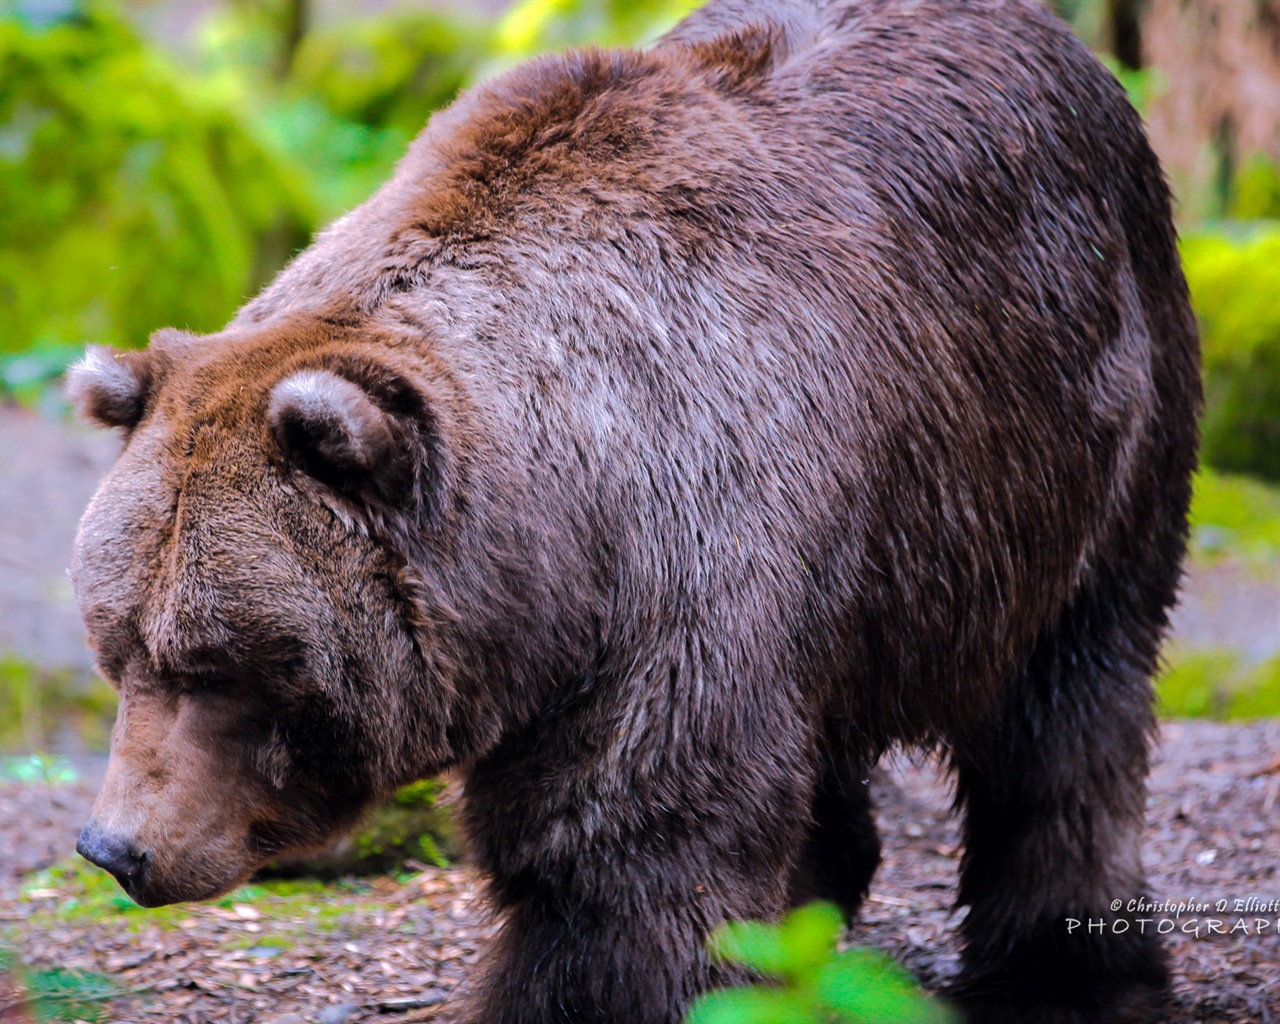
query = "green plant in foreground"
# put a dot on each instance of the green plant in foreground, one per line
(54, 994)
(810, 981)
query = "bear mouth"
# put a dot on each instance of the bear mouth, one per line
(147, 893)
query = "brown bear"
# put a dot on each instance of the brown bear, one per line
(674, 433)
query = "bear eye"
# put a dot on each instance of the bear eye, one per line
(202, 684)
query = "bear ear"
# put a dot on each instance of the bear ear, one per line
(740, 60)
(337, 433)
(110, 388)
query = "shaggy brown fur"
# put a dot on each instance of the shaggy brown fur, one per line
(675, 432)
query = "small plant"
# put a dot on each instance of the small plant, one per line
(809, 980)
(53, 995)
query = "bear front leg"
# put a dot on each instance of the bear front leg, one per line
(1054, 800)
(843, 848)
(608, 882)
(641, 960)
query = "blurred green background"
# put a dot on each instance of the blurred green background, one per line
(159, 162)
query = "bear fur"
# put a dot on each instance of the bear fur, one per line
(673, 434)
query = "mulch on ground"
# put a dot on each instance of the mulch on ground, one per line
(394, 950)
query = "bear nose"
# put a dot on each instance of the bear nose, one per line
(111, 852)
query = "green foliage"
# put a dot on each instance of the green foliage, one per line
(27, 375)
(1087, 18)
(811, 981)
(130, 197)
(540, 26)
(44, 703)
(359, 93)
(1234, 285)
(1255, 192)
(387, 73)
(140, 189)
(411, 826)
(52, 995)
(1234, 516)
(1142, 85)
(1220, 685)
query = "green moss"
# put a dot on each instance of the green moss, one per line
(1218, 684)
(45, 703)
(410, 826)
(56, 994)
(413, 826)
(75, 891)
(1234, 276)
(1193, 684)
(1257, 693)
(86, 893)
(1235, 516)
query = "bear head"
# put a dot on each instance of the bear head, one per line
(243, 577)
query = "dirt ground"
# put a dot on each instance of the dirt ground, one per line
(394, 950)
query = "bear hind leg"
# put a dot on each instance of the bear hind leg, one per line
(1054, 801)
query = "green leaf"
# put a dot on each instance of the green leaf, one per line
(809, 936)
(58, 994)
(751, 944)
(754, 1004)
(865, 985)
(1234, 275)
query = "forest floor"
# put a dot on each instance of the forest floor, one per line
(395, 949)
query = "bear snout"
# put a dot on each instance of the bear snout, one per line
(115, 853)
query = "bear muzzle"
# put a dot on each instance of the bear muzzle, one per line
(115, 853)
